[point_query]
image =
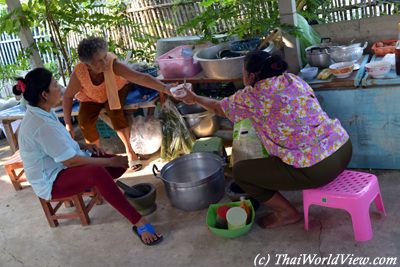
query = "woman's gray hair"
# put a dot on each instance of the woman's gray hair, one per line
(88, 47)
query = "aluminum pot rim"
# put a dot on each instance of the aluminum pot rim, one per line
(200, 59)
(190, 157)
(198, 115)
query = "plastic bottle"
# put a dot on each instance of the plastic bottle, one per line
(398, 31)
(244, 206)
(397, 56)
(397, 51)
(187, 54)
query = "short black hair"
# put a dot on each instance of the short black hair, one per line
(36, 81)
(88, 47)
(264, 65)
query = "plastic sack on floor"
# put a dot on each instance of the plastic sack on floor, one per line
(176, 137)
(308, 36)
(246, 144)
(145, 135)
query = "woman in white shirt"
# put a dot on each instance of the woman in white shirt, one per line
(56, 166)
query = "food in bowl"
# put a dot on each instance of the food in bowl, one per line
(378, 69)
(309, 73)
(342, 69)
(384, 47)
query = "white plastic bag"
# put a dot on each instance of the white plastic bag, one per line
(246, 144)
(145, 135)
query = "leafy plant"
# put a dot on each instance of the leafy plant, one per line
(61, 19)
(309, 9)
(245, 18)
(8, 72)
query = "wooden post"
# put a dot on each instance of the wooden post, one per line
(26, 37)
(287, 10)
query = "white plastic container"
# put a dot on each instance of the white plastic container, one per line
(179, 91)
(236, 218)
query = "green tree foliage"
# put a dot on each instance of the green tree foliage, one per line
(246, 18)
(66, 17)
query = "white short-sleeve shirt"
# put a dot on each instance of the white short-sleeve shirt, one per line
(44, 144)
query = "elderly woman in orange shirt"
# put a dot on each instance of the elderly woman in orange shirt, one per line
(89, 83)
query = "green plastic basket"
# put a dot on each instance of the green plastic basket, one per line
(211, 220)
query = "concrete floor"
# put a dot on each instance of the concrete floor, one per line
(27, 240)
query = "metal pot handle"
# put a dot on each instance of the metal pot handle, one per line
(365, 45)
(154, 171)
(329, 40)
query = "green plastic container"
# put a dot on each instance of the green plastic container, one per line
(211, 220)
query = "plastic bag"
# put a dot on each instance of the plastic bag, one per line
(308, 36)
(246, 144)
(176, 137)
(145, 135)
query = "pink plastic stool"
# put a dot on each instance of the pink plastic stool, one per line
(353, 192)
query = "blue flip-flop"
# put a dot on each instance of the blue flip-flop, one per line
(147, 228)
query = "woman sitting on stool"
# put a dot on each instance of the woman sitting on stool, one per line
(55, 164)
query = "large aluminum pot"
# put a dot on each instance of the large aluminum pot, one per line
(318, 56)
(202, 122)
(193, 181)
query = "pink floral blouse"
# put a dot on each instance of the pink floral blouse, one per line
(288, 120)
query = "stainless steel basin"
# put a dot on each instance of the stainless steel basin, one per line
(226, 68)
(202, 122)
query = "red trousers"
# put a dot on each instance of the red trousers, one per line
(78, 179)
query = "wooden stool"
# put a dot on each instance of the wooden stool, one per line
(81, 210)
(11, 166)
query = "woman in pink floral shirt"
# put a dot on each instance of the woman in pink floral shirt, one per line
(307, 149)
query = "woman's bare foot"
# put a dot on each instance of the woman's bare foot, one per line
(277, 219)
(284, 212)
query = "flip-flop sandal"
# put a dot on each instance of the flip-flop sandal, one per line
(144, 157)
(135, 165)
(147, 228)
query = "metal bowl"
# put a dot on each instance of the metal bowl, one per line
(202, 122)
(347, 53)
(226, 68)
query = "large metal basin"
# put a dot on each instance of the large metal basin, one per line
(228, 68)
(202, 122)
(166, 44)
(347, 53)
(193, 181)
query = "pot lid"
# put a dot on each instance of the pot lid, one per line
(316, 50)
